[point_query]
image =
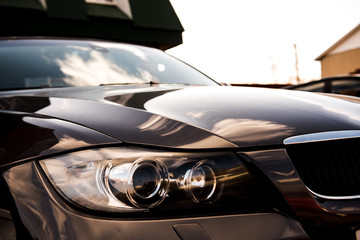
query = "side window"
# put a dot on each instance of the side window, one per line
(312, 87)
(346, 86)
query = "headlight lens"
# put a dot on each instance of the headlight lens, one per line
(129, 179)
(200, 181)
(143, 183)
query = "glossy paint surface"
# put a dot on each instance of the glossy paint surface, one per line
(193, 117)
(127, 124)
(24, 136)
(256, 117)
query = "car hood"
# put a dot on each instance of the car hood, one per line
(193, 117)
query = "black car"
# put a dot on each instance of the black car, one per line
(103, 140)
(347, 85)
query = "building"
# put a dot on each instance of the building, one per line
(342, 58)
(151, 23)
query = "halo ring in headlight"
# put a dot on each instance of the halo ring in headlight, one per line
(147, 183)
(201, 181)
(146, 180)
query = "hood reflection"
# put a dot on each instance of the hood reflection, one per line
(156, 123)
(185, 137)
(250, 130)
(252, 116)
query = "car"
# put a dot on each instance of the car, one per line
(102, 139)
(347, 85)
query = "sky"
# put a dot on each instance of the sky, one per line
(238, 41)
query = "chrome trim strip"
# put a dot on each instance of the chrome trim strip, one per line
(333, 197)
(322, 136)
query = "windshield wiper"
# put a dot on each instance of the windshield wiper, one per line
(143, 83)
(31, 88)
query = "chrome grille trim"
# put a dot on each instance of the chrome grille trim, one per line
(328, 163)
(322, 136)
(333, 197)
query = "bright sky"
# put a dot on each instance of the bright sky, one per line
(238, 41)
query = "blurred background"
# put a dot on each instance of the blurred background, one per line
(262, 41)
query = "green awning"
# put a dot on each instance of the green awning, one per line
(28, 4)
(151, 22)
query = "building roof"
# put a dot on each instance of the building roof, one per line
(151, 22)
(344, 39)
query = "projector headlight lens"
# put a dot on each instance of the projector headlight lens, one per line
(143, 183)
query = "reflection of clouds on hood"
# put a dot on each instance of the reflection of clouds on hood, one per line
(200, 114)
(67, 142)
(334, 104)
(251, 130)
(161, 126)
(98, 70)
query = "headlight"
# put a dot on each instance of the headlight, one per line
(129, 179)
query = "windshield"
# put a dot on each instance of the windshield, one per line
(65, 63)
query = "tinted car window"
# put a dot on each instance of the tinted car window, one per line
(313, 87)
(346, 86)
(59, 63)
